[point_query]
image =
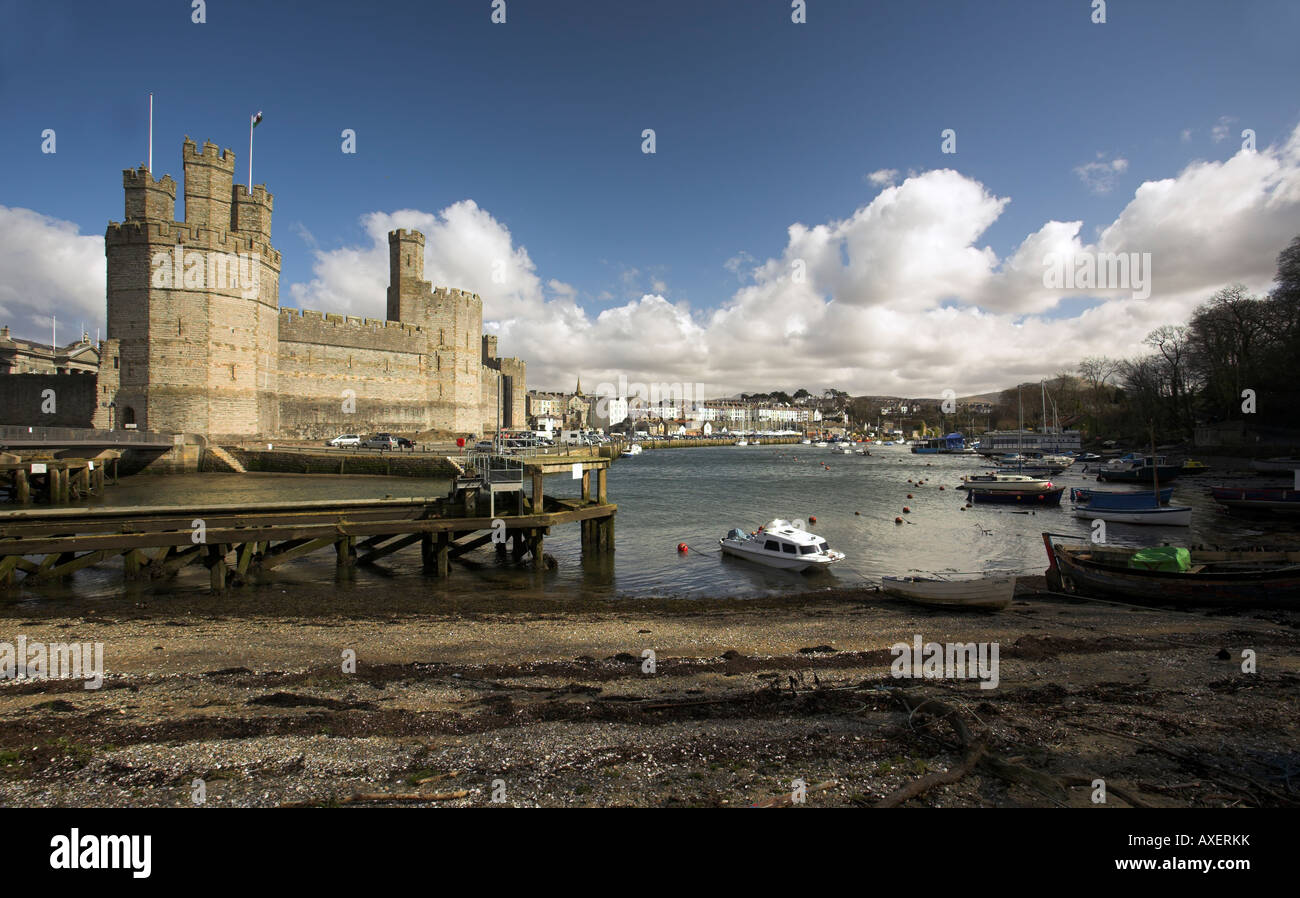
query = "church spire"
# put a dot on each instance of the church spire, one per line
(578, 391)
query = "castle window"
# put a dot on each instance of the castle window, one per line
(116, 362)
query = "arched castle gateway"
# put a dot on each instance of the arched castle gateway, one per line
(200, 344)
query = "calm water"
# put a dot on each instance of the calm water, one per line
(694, 496)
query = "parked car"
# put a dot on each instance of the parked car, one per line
(381, 441)
(347, 439)
(404, 443)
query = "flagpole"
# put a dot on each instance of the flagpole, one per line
(151, 132)
(250, 154)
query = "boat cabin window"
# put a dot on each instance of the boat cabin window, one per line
(824, 546)
(807, 550)
(789, 549)
(772, 546)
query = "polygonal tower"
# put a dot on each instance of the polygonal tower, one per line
(195, 304)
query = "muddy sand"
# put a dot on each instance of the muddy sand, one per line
(552, 705)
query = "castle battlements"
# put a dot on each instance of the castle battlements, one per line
(136, 178)
(289, 313)
(197, 238)
(211, 154)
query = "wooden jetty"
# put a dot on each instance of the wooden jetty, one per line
(56, 481)
(235, 542)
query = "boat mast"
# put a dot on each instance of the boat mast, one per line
(1155, 466)
(1020, 433)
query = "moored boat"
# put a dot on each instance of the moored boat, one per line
(1283, 465)
(1138, 469)
(1155, 515)
(1017, 497)
(986, 593)
(1275, 499)
(782, 545)
(1112, 499)
(631, 451)
(1008, 482)
(1167, 574)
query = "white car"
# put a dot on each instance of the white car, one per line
(347, 439)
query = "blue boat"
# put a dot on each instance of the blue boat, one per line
(952, 444)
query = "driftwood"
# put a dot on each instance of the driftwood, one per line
(976, 756)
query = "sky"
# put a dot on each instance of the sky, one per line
(799, 223)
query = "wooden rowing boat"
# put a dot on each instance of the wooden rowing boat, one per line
(1246, 579)
(987, 593)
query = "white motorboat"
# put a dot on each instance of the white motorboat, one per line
(985, 593)
(1014, 482)
(1158, 515)
(742, 442)
(631, 451)
(806, 442)
(822, 444)
(780, 544)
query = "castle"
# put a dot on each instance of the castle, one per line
(197, 341)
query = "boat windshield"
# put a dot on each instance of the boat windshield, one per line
(807, 550)
(823, 547)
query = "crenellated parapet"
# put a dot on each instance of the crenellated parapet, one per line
(193, 237)
(147, 197)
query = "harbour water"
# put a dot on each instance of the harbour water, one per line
(694, 496)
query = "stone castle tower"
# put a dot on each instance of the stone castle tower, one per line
(194, 304)
(193, 308)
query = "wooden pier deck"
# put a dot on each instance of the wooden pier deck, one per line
(56, 481)
(235, 542)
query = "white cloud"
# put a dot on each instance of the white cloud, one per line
(47, 266)
(884, 177)
(1221, 129)
(1101, 176)
(899, 296)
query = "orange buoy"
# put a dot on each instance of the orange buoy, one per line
(898, 520)
(812, 519)
(683, 548)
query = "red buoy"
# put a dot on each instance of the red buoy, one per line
(812, 519)
(909, 495)
(906, 510)
(898, 520)
(683, 548)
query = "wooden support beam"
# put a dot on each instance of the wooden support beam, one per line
(426, 549)
(131, 563)
(442, 560)
(539, 493)
(586, 485)
(601, 478)
(345, 551)
(393, 546)
(7, 566)
(216, 562)
(77, 564)
(24, 489)
(535, 546)
(178, 560)
(246, 553)
(469, 544)
(278, 556)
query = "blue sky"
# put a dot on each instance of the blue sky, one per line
(760, 123)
